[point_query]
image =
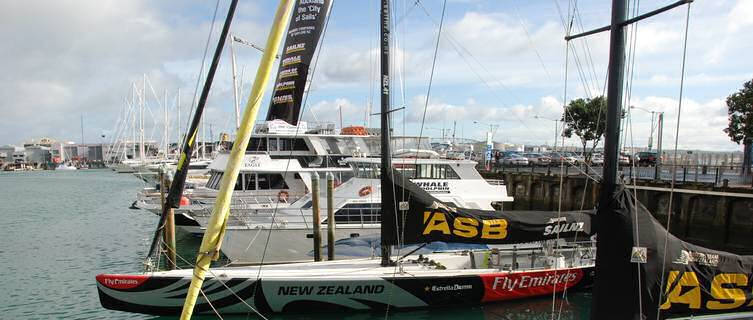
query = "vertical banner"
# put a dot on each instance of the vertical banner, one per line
(309, 17)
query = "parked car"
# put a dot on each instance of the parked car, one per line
(559, 158)
(515, 160)
(597, 159)
(537, 159)
(625, 160)
(578, 158)
(645, 158)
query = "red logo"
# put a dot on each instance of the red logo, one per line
(121, 281)
(506, 286)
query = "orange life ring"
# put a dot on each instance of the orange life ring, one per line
(283, 196)
(365, 191)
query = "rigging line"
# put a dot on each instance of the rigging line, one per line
(372, 53)
(389, 171)
(459, 48)
(431, 79)
(404, 112)
(637, 242)
(295, 136)
(629, 122)
(564, 107)
(583, 75)
(201, 69)
(530, 41)
(587, 49)
(674, 171)
(631, 58)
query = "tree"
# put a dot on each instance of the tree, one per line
(587, 119)
(740, 128)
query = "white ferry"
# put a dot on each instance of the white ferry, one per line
(287, 231)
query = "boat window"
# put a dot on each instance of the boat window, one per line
(257, 144)
(366, 170)
(214, 180)
(293, 144)
(250, 181)
(271, 181)
(357, 213)
(239, 182)
(408, 170)
(436, 171)
(273, 144)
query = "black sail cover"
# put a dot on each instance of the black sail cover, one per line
(428, 219)
(682, 281)
(305, 29)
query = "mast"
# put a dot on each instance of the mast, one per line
(388, 203)
(235, 86)
(203, 138)
(133, 120)
(141, 123)
(614, 293)
(164, 156)
(178, 140)
(82, 128)
(210, 244)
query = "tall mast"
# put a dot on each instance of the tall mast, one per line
(235, 86)
(388, 203)
(141, 122)
(178, 140)
(203, 138)
(164, 155)
(614, 288)
(133, 121)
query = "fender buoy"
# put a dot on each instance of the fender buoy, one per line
(365, 191)
(283, 196)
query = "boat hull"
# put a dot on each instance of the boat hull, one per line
(164, 295)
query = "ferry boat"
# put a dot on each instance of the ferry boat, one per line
(357, 207)
(276, 170)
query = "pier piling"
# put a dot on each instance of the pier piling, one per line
(169, 223)
(330, 216)
(317, 217)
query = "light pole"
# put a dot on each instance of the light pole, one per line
(653, 120)
(489, 142)
(556, 127)
(659, 134)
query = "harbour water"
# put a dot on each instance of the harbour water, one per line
(62, 228)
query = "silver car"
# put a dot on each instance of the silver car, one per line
(515, 160)
(537, 159)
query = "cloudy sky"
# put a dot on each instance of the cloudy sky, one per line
(500, 62)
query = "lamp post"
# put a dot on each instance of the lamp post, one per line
(659, 134)
(653, 120)
(489, 142)
(556, 127)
